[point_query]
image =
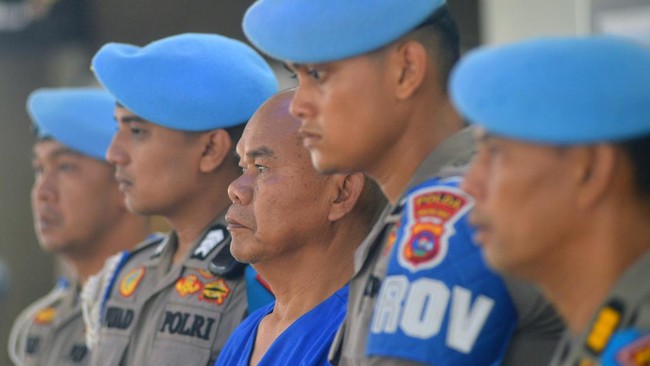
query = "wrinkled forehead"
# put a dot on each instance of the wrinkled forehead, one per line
(278, 132)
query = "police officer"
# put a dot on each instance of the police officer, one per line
(182, 102)
(79, 215)
(372, 98)
(562, 185)
(286, 215)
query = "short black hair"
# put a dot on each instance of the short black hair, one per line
(638, 151)
(440, 37)
(370, 204)
(235, 133)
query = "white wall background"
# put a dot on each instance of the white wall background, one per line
(504, 21)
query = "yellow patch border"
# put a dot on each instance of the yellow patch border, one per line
(131, 281)
(210, 287)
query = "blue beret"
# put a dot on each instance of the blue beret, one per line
(79, 118)
(557, 90)
(189, 82)
(315, 31)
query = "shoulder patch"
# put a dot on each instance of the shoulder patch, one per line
(211, 240)
(636, 353)
(628, 347)
(188, 285)
(428, 223)
(45, 316)
(131, 281)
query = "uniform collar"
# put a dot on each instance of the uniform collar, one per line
(629, 287)
(449, 158)
(629, 293)
(204, 248)
(70, 305)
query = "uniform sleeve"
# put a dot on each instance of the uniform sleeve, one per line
(539, 327)
(439, 303)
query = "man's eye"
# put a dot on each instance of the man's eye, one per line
(292, 73)
(493, 149)
(315, 74)
(65, 167)
(260, 168)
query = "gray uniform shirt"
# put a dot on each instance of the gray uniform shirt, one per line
(539, 327)
(626, 307)
(163, 314)
(52, 332)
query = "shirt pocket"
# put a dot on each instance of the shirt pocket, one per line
(185, 334)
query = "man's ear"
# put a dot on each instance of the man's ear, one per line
(216, 147)
(411, 60)
(349, 188)
(596, 174)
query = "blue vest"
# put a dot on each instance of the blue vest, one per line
(439, 303)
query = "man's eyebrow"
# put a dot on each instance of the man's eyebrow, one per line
(293, 67)
(61, 151)
(261, 152)
(129, 119)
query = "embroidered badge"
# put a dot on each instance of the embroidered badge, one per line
(188, 285)
(636, 353)
(431, 214)
(45, 316)
(606, 322)
(210, 241)
(131, 281)
(215, 292)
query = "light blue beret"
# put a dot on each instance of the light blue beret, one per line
(79, 118)
(189, 82)
(315, 31)
(557, 90)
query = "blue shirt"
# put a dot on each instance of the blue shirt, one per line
(439, 303)
(306, 342)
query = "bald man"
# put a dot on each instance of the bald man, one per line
(299, 230)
